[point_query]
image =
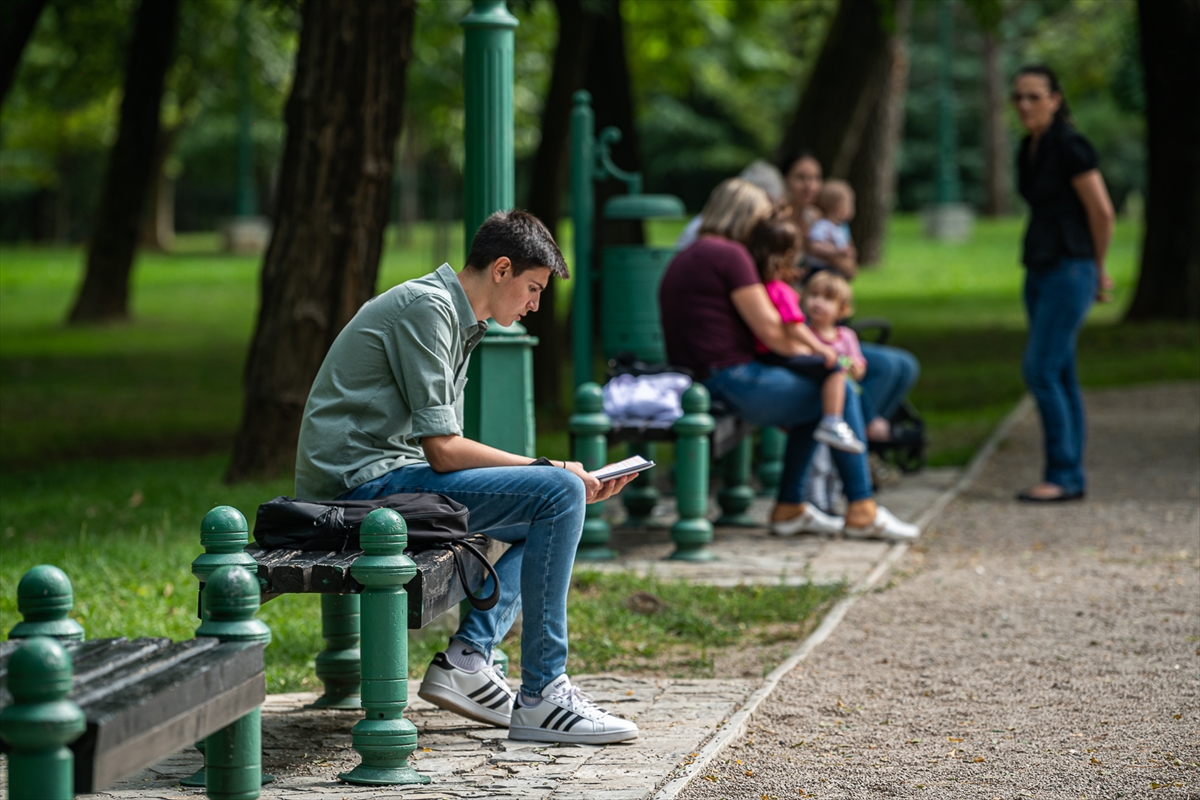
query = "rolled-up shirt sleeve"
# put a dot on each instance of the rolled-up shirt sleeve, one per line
(420, 351)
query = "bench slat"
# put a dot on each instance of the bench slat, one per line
(135, 670)
(333, 573)
(728, 430)
(204, 689)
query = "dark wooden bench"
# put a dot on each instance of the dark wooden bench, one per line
(131, 702)
(364, 593)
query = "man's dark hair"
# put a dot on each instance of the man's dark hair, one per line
(522, 238)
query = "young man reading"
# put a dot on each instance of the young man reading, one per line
(385, 415)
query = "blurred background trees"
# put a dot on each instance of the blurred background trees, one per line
(699, 88)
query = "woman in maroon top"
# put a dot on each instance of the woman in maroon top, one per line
(713, 305)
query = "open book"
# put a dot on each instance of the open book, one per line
(619, 468)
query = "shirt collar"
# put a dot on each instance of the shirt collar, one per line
(462, 305)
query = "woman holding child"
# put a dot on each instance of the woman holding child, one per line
(1070, 225)
(714, 307)
(892, 371)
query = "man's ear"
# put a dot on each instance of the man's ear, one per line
(501, 268)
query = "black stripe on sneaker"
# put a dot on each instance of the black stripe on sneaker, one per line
(502, 701)
(440, 660)
(564, 718)
(572, 724)
(553, 715)
(492, 691)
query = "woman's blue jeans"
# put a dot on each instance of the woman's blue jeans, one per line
(539, 511)
(891, 374)
(767, 395)
(1057, 302)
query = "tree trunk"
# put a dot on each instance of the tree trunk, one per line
(1169, 285)
(997, 160)
(873, 170)
(849, 77)
(546, 189)
(343, 119)
(104, 295)
(158, 224)
(18, 18)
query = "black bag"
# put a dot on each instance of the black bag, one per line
(434, 522)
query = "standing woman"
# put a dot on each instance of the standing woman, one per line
(1070, 225)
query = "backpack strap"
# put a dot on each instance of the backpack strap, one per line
(478, 603)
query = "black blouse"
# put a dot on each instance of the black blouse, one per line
(1058, 226)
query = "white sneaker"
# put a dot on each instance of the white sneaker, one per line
(811, 520)
(839, 437)
(567, 715)
(885, 526)
(482, 695)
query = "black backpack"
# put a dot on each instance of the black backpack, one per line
(434, 522)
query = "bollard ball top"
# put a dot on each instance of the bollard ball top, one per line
(42, 583)
(224, 519)
(39, 672)
(589, 398)
(695, 399)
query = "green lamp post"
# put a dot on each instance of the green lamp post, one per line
(499, 394)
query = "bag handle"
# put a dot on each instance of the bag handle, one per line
(478, 603)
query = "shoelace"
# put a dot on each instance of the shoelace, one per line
(580, 702)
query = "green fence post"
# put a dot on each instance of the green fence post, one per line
(224, 535)
(45, 598)
(589, 426)
(233, 755)
(384, 738)
(692, 533)
(41, 722)
(772, 442)
(736, 495)
(339, 664)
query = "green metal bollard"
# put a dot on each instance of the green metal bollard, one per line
(224, 535)
(41, 722)
(641, 496)
(233, 755)
(589, 426)
(45, 598)
(692, 533)
(339, 664)
(772, 442)
(736, 495)
(384, 739)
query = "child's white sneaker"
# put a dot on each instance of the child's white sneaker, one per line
(568, 716)
(839, 436)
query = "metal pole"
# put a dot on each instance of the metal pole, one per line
(247, 203)
(583, 202)
(948, 188)
(488, 110)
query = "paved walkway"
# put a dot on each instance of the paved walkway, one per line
(1019, 651)
(1015, 651)
(306, 749)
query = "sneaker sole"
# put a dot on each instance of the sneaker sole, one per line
(450, 700)
(853, 533)
(524, 734)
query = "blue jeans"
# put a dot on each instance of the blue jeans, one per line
(1057, 302)
(891, 374)
(767, 395)
(539, 511)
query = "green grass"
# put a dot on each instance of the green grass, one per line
(113, 440)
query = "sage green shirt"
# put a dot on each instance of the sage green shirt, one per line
(394, 375)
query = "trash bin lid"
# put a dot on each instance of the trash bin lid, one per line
(643, 206)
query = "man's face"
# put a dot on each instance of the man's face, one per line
(517, 295)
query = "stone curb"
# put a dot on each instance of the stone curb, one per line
(737, 724)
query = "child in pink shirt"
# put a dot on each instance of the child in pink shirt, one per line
(773, 246)
(827, 299)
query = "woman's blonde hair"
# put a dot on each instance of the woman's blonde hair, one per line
(830, 285)
(733, 209)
